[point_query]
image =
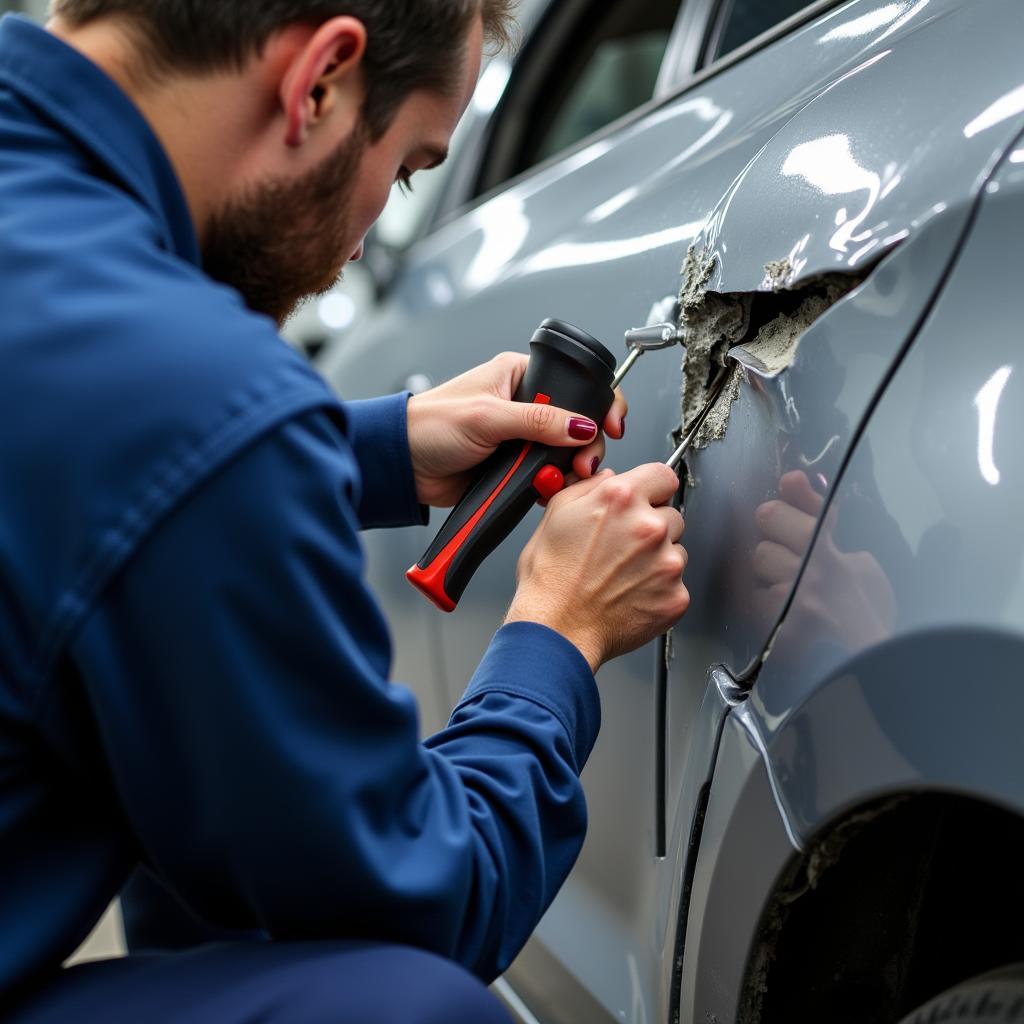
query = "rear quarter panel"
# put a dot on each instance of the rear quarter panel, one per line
(847, 710)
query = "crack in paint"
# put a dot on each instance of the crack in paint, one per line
(711, 323)
(777, 273)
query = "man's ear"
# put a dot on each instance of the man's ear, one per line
(323, 76)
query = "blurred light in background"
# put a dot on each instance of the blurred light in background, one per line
(337, 310)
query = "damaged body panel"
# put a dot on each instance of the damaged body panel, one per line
(873, 716)
(713, 325)
(822, 186)
(800, 420)
(787, 438)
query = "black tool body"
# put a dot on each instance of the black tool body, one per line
(567, 368)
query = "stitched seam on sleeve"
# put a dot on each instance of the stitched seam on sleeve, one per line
(534, 698)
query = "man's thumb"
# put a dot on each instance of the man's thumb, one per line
(548, 424)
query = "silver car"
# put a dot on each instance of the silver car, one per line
(807, 803)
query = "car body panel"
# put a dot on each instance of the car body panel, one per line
(810, 413)
(745, 846)
(597, 237)
(863, 713)
(838, 184)
(943, 451)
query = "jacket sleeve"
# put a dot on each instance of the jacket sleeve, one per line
(379, 437)
(273, 778)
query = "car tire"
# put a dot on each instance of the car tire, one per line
(993, 998)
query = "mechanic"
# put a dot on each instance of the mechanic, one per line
(193, 674)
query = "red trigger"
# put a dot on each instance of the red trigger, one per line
(548, 481)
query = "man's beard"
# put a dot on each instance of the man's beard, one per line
(283, 240)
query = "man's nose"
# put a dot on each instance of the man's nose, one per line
(358, 254)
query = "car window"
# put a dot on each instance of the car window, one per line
(739, 21)
(619, 76)
(591, 63)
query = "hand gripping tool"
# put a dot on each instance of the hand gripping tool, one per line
(567, 368)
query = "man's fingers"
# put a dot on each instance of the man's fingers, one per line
(615, 421)
(654, 480)
(774, 563)
(545, 424)
(673, 522)
(586, 461)
(785, 525)
(574, 491)
(533, 421)
(512, 364)
(795, 489)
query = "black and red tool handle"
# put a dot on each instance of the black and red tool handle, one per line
(567, 368)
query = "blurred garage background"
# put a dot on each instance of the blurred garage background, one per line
(35, 8)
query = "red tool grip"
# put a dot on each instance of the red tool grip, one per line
(431, 580)
(575, 371)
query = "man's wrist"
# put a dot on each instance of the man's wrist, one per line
(583, 637)
(416, 437)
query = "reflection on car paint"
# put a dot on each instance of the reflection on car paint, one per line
(607, 230)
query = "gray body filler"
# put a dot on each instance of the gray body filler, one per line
(861, 140)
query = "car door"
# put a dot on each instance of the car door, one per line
(818, 149)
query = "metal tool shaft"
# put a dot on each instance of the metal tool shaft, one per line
(627, 365)
(684, 446)
(645, 339)
(677, 456)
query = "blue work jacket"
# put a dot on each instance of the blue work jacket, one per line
(193, 675)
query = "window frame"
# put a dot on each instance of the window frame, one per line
(533, 66)
(680, 73)
(694, 68)
(715, 29)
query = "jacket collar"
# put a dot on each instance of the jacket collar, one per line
(93, 111)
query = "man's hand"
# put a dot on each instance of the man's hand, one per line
(605, 566)
(454, 427)
(844, 596)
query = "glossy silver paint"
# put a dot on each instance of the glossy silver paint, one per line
(839, 148)
(910, 707)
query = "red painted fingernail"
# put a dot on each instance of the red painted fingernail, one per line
(582, 430)
(623, 434)
(594, 463)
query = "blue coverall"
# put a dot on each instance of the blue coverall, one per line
(193, 675)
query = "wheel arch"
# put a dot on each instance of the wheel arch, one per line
(886, 907)
(917, 738)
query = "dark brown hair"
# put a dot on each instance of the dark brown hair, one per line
(411, 44)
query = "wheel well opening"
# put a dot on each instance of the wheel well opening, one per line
(889, 906)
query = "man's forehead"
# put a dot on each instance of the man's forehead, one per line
(474, 58)
(433, 115)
